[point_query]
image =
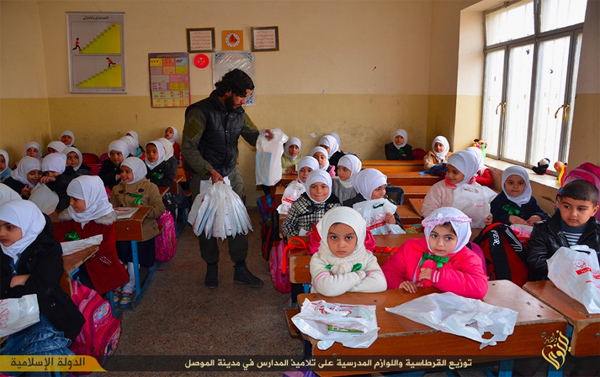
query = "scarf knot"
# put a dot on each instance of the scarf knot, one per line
(72, 236)
(356, 267)
(511, 210)
(439, 261)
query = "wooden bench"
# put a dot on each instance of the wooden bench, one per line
(415, 191)
(408, 178)
(417, 205)
(371, 163)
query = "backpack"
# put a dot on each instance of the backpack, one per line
(419, 154)
(99, 336)
(587, 171)
(504, 254)
(165, 244)
(269, 224)
(278, 266)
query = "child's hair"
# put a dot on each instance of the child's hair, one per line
(580, 189)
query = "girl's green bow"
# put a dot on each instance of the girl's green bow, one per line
(72, 236)
(511, 210)
(356, 267)
(156, 175)
(439, 261)
(138, 199)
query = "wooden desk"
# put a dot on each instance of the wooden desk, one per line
(415, 191)
(401, 336)
(385, 169)
(407, 178)
(408, 215)
(417, 205)
(71, 265)
(370, 163)
(163, 190)
(585, 340)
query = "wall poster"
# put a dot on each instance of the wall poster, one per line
(169, 79)
(224, 62)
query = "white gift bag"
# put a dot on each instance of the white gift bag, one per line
(474, 201)
(44, 198)
(290, 195)
(355, 326)
(454, 314)
(374, 211)
(268, 157)
(18, 314)
(575, 271)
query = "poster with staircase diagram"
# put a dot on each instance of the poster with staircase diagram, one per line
(96, 52)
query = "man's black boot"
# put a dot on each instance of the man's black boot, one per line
(244, 276)
(212, 275)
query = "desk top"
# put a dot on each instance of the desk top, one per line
(72, 261)
(572, 309)
(131, 229)
(417, 205)
(370, 163)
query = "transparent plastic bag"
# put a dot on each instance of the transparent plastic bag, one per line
(268, 157)
(44, 198)
(18, 314)
(290, 195)
(374, 212)
(474, 201)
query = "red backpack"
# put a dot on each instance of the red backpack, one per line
(504, 254)
(166, 242)
(99, 336)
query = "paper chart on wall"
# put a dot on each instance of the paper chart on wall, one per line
(169, 79)
(224, 62)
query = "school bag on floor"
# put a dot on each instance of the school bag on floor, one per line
(269, 224)
(504, 254)
(99, 336)
(166, 242)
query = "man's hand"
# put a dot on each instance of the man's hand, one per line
(268, 134)
(216, 177)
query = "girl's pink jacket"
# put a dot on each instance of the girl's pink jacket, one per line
(462, 274)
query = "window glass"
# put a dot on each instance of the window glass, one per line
(508, 23)
(492, 104)
(555, 14)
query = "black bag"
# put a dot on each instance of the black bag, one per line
(395, 194)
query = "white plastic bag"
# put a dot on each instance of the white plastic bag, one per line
(71, 247)
(374, 211)
(454, 314)
(268, 157)
(290, 195)
(44, 198)
(355, 326)
(474, 201)
(575, 271)
(18, 314)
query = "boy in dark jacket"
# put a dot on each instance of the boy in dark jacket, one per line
(572, 224)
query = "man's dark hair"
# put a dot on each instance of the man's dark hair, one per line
(581, 189)
(236, 81)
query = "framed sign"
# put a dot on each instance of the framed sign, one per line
(232, 40)
(265, 38)
(200, 39)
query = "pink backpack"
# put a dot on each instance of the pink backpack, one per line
(587, 171)
(280, 272)
(99, 336)
(166, 242)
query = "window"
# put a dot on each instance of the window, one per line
(531, 59)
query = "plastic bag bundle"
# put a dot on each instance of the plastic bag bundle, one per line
(290, 195)
(454, 314)
(219, 212)
(268, 157)
(354, 326)
(474, 201)
(575, 271)
(374, 211)
(18, 313)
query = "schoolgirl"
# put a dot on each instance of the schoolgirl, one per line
(399, 149)
(440, 150)
(348, 166)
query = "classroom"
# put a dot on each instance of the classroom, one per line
(359, 68)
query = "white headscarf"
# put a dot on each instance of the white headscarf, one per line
(76, 151)
(337, 138)
(175, 136)
(308, 161)
(67, 132)
(322, 150)
(27, 216)
(161, 154)
(404, 134)
(466, 163)
(365, 181)
(54, 162)
(132, 144)
(442, 140)
(168, 147)
(6, 159)
(134, 135)
(348, 216)
(24, 166)
(331, 142)
(478, 153)
(138, 168)
(320, 176)
(120, 146)
(90, 189)
(353, 163)
(520, 171)
(290, 142)
(7, 194)
(33, 144)
(58, 146)
(460, 223)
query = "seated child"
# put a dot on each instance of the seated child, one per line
(441, 259)
(296, 188)
(31, 263)
(572, 224)
(515, 205)
(27, 174)
(75, 165)
(291, 155)
(172, 135)
(110, 171)
(135, 190)
(160, 171)
(483, 177)
(136, 149)
(90, 214)
(169, 157)
(399, 149)
(332, 146)
(53, 167)
(310, 206)
(56, 147)
(4, 169)
(439, 153)
(348, 166)
(68, 138)
(343, 264)
(32, 149)
(320, 154)
(7, 194)
(462, 168)
(305, 166)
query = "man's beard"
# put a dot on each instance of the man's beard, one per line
(229, 103)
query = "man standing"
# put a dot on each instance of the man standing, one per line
(210, 149)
